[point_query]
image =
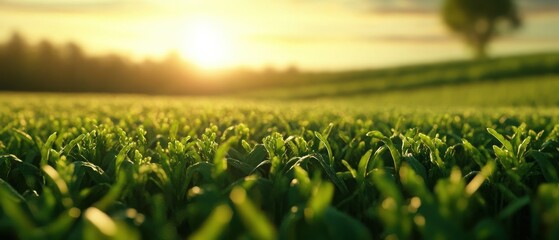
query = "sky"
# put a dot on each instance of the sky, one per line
(310, 34)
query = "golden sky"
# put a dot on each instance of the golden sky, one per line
(311, 34)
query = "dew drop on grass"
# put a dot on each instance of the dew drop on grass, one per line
(294, 209)
(389, 203)
(74, 212)
(419, 220)
(415, 203)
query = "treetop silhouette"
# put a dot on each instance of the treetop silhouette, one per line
(477, 22)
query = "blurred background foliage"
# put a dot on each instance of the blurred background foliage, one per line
(48, 67)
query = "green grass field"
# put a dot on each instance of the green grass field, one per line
(476, 160)
(503, 74)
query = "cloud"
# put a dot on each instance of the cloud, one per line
(430, 6)
(65, 5)
(313, 39)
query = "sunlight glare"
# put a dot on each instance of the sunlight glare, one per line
(206, 44)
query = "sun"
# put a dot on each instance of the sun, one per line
(206, 44)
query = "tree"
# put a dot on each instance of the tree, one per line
(477, 22)
(48, 67)
(77, 69)
(14, 63)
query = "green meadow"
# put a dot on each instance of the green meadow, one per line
(441, 151)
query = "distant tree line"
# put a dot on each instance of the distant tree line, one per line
(50, 67)
(66, 68)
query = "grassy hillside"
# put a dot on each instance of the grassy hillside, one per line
(467, 74)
